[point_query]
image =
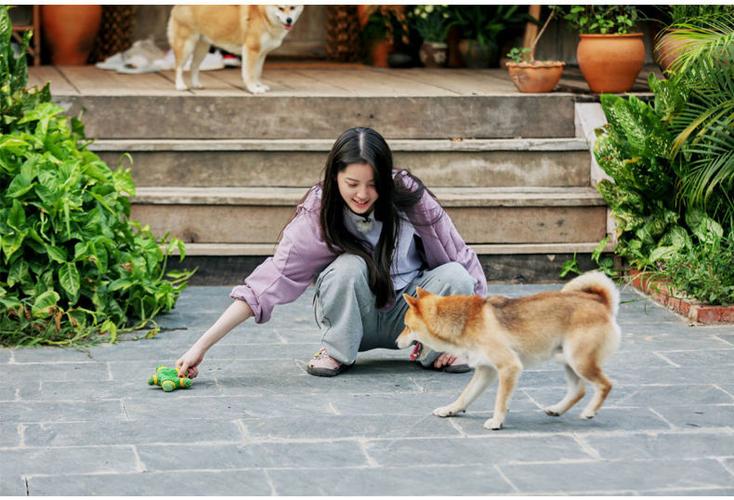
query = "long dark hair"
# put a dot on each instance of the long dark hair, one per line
(364, 145)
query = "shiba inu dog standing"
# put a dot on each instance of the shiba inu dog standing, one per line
(250, 30)
(499, 336)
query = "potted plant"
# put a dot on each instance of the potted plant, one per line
(432, 23)
(610, 54)
(481, 27)
(380, 25)
(669, 43)
(530, 75)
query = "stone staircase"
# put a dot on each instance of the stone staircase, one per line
(225, 172)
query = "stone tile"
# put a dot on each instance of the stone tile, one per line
(5, 355)
(272, 383)
(607, 420)
(209, 369)
(150, 483)
(575, 478)
(19, 374)
(493, 448)
(391, 481)
(664, 338)
(668, 395)
(97, 459)
(13, 486)
(701, 358)
(10, 393)
(9, 434)
(164, 430)
(697, 416)
(60, 411)
(228, 408)
(664, 445)
(413, 404)
(51, 355)
(263, 455)
(94, 391)
(353, 426)
(725, 492)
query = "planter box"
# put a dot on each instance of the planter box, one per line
(659, 291)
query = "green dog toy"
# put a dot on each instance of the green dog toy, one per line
(168, 379)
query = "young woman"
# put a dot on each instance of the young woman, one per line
(366, 234)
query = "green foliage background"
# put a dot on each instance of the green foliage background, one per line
(72, 264)
(672, 165)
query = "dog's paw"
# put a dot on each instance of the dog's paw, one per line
(493, 424)
(587, 415)
(447, 411)
(181, 86)
(196, 85)
(257, 88)
(552, 411)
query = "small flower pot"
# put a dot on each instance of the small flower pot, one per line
(667, 50)
(610, 63)
(433, 54)
(535, 77)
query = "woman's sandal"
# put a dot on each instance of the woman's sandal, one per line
(452, 368)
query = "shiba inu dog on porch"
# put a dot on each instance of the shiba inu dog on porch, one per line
(500, 336)
(250, 30)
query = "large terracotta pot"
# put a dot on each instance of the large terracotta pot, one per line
(69, 31)
(611, 63)
(667, 49)
(541, 76)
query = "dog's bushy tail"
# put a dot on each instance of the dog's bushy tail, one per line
(599, 284)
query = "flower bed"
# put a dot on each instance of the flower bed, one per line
(660, 292)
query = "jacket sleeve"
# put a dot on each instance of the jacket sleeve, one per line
(282, 278)
(446, 245)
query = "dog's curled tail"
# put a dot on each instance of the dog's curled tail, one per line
(599, 284)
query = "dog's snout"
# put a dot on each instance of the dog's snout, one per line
(289, 20)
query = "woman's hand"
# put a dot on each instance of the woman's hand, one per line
(187, 365)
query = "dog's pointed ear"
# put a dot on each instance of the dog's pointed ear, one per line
(421, 292)
(410, 300)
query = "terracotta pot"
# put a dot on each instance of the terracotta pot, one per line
(379, 52)
(667, 49)
(611, 63)
(433, 54)
(541, 76)
(69, 31)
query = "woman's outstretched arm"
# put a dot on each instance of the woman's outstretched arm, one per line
(235, 314)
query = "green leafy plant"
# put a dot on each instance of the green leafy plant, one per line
(485, 23)
(519, 55)
(431, 21)
(703, 267)
(633, 150)
(698, 102)
(527, 54)
(601, 19)
(72, 264)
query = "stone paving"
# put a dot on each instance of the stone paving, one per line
(84, 422)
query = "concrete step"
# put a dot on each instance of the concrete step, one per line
(274, 116)
(296, 163)
(482, 215)
(266, 249)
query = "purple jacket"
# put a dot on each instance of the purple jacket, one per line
(302, 254)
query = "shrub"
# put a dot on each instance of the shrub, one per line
(72, 264)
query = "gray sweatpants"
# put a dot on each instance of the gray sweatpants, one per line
(345, 311)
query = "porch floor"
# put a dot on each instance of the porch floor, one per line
(310, 78)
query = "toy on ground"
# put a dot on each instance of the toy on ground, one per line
(168, 379)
